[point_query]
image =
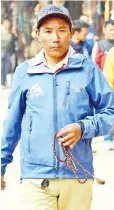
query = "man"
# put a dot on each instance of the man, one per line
(101, 48)
(7, 49)
(91, 34)
(81, 29)
(56, 92)
(109, 74)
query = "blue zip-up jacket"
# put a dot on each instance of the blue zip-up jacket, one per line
(42, 103)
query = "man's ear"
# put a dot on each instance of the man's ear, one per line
(72, 32)
(103, 30)
(38, 34)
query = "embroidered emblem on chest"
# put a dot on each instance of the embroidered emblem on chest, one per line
(35, 91)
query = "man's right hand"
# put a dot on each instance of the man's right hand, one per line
(3, 184)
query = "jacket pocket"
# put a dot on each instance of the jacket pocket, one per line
(29, 136)
(67, 95)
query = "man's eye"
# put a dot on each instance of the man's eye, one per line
(48, 32)
(62, 30)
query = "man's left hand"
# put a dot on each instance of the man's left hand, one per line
(70, 134)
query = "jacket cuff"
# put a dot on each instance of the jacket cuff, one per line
(89, 130)
(3, 170)
(82, 128)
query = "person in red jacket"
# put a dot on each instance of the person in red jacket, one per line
(102, 47)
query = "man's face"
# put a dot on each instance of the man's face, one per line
(55, 35)
(83, 34)
(109, 31)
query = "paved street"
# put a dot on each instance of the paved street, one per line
(103, 195)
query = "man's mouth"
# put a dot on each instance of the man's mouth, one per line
(56, 47)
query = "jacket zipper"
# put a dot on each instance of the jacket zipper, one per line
(67, 93)
(55, 115)
(30, 129)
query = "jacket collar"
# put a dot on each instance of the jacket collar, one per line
(36, 65)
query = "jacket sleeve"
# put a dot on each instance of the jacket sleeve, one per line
(12, 125)
(102, 99)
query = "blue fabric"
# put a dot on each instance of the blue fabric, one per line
(90, 39)
(82, 48)
(110, 135)
(89, 43)
(42, 103)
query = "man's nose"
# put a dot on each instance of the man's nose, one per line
(56, 37)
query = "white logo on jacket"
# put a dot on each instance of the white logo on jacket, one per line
(35, 91)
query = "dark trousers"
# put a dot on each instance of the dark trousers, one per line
(5, 66)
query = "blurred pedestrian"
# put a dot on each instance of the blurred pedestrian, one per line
(34, 48)
(102, 47)
(109, 74)
(56, 92)
(91, 33)
(7, 49)
(81, 29)
(35, 45)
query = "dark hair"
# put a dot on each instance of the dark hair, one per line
(108, 22)
(79, 24)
